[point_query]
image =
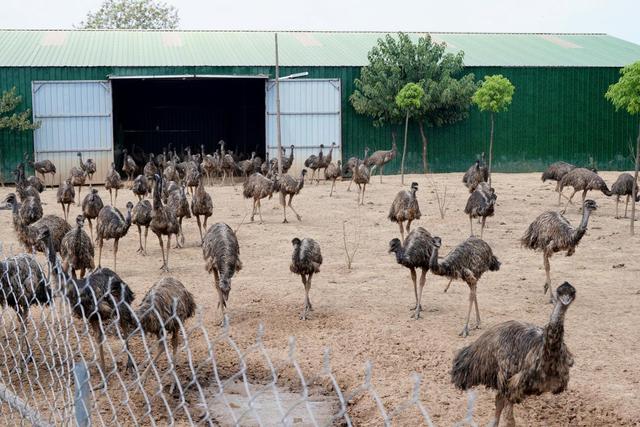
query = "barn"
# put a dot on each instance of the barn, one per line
(99, 92)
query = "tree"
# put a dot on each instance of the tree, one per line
(494, 95)
(393, 63)
(409, 100)
(11, 120)
(625, 94)
(133, 15)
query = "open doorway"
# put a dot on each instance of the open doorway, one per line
(149, 114)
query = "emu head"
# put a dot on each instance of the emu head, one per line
(225, 288)
(437, 241)
(414, 186)
(80, 221)
(129, 206)
(477, 164)
(94, 191)
(79, 154)
(590, 205)
(43, 292)
(394, 245)
(10, 199)
(566, 293)
(296, 242)
(304, 172)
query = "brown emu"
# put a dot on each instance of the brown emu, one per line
(31, 206)
(361, 176)
(624, 187)
(113, 182)
(518, 359)
(66, 196)
(468, 261)
(585, 180)
(306, 260)
(141, 217)
(258, 187)
(313, 162)
(112, 225)
(28, 234)
(77, 177)
(91, 207)
(550, 232)
(164, 309)
(380, 158)
(201, 205)
(414, 253)
(177, 202)
(326, 161)
(555, 172)
(221, 253)
(405, 208)
(332, 172)
(45, 167)
(129, 165)
(77, 250)
(101, 298)
(140, 187)
(288, 185)
(88, 167)
(481, 204)
(477, 173)
(163, 221)
(246, 166)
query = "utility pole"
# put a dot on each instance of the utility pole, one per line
(278, 129)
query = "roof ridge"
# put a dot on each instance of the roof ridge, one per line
(79, 30)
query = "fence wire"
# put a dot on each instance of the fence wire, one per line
(51, 371)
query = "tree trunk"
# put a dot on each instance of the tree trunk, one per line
(490, 149)
(404, 149)
(425, 142)
(635, 180)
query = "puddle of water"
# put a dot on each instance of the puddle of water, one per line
(265, 407)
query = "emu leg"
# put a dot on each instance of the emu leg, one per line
(143, 377)
(475, 303)
(350, 182)
(559, 191)
(100, 243)
(90, 228)
(253, 211)
(283, 202)
(584, 196)
(259, 211)
(511, 420)
(111, 196)
(500, 402)
(484, 219)
(140, 249)
(568, 201)
(401, 230)
(168, 248)
(79, 197)
(448, 284)
(305, 309)
(200, 227)
(472, 296)
(626, 206)
(332, 185)
(146, 233)
(221, 303)
(471, 224)
(381, 169)
(409, 226)
(415, 289)
(419, 297)
(164, 262)
(364, 188)
(617, 202)
(115, 255)
(101, 344)
(291, 206)
(116, 198)
(547, 270)
(172, 362)
(64, 211)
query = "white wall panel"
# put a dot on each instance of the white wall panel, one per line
(75, 116)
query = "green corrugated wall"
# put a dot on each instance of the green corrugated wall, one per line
(557, 113)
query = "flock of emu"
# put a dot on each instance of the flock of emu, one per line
(514, 358)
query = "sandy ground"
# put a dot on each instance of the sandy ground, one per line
(363, 314)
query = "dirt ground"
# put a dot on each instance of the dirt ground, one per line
(363, 314)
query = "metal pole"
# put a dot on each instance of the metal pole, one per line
(278, 129)
(82, 395)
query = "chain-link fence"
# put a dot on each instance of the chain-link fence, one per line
(52, 372)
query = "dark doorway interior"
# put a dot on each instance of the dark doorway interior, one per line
(150, 114)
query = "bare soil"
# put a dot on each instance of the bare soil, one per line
(362, 314)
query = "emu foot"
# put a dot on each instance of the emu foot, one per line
(546, 287)
(299, 217)
(465, 331)
(416, 314)
(413, 307)
(164, 268)
(285, 221)
(141, 251)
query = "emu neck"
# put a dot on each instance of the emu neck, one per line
(433, 261)
(554, 331)
(399, 254)
(157, 190)
(582, 228)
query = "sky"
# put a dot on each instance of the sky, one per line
(615, 17)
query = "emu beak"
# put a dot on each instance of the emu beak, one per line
(565, 299)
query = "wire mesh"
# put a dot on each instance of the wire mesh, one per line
(52, 372)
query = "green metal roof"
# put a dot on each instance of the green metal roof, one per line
(87, 48)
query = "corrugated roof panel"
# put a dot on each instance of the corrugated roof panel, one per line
(79, 48)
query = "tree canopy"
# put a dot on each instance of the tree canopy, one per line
(9, 119)
(133, 14)
(494, 94)
(409, 99)
(396, 61)
(625, 93)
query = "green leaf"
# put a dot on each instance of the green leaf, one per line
(494, 94)
(625, 93)
(133, 14)
(11, 120)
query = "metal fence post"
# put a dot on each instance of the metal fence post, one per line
(82, 395)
